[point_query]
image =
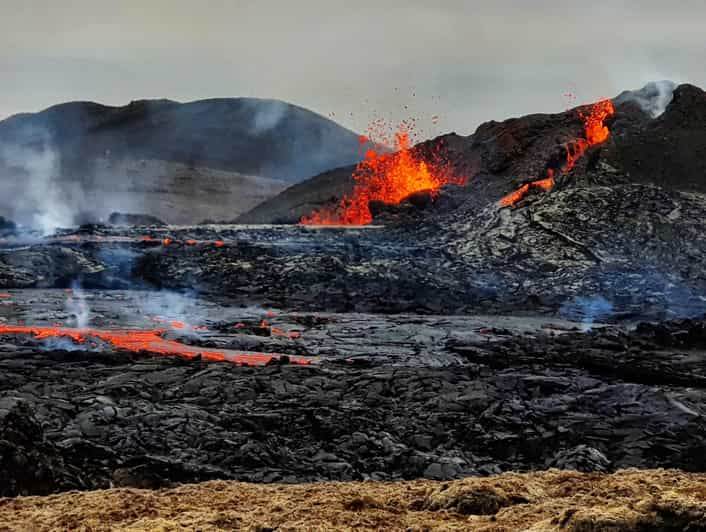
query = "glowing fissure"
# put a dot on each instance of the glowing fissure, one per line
(150, 341)
(386, 177)
(595, 132)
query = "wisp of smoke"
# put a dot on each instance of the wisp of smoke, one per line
(267, 114)
(77, 307)
(61, 344)
(587, 310)
(36, 196)
(171, 306)
(653, 98)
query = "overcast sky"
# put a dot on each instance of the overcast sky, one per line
(466, 61)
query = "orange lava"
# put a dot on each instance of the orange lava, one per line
(219, 243)
(151, 341)
(512, 198)
(386, 177)
(595, 132)
(5, 296)
(292, 335)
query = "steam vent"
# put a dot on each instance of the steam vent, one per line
(460, 284)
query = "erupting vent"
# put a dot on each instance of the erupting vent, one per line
(389, 178)
(595, 132)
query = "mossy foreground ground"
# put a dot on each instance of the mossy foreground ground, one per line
(553, 500)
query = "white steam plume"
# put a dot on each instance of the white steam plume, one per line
(653, 98)
(77, 306)
(267, 114)
(35, 196)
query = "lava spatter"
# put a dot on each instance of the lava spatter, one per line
(389, 178)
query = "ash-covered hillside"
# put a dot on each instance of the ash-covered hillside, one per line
(182, 162)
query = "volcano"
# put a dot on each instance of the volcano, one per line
(528, 297)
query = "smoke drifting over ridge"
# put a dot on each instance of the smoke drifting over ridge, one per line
(266, 114)
(653, 98)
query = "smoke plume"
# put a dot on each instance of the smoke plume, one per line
(35, 196)
(77, 307)
(266, 114)
(653, 98)
(586, 310)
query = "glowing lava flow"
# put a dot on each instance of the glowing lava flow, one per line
(595, 132)
(150, 341)
(385, 177)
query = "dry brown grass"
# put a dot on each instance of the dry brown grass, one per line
(553, 500)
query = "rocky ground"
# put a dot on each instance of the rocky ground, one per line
(639, 250)
(385, 397)
(551, 501)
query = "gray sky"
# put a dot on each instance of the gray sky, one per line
(466, 61)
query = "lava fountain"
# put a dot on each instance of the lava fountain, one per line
(595, 132)
(389, 178)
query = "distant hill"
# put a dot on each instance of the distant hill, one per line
(163, 155)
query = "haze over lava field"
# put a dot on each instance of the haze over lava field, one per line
(534, 300)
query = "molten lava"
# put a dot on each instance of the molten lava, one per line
(151, 341)
(512, 198)
(595, 132)
(385, 177)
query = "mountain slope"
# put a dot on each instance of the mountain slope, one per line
(64, 152)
